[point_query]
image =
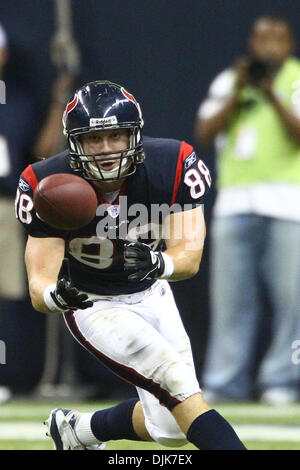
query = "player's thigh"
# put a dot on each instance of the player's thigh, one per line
(134, 350)
(12, 274)
(168, 321)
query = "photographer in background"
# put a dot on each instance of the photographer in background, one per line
(253, 114)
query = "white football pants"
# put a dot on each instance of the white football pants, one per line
(141, 338)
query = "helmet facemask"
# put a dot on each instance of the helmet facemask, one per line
(91, 165)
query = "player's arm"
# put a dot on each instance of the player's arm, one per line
(43, 259)
(184, 227)
(185, 236)
(50, 284)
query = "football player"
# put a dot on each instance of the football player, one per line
(109, 280)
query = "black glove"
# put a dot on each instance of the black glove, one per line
(66, 296)
(143, 262)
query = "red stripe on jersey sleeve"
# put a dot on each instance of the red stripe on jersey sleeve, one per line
(30, 177)
(184, 152)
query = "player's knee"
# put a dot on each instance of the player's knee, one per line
(174, 376)
(180, 381)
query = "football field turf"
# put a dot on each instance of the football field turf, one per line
(261, 427)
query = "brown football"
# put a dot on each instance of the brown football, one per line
(65, 202)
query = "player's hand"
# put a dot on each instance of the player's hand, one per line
(66, 296)
(142, 262)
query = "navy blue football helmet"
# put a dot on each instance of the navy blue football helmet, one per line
(103, 105)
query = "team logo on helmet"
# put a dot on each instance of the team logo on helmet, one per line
(128, 95)
(131, 98)
(71, 105)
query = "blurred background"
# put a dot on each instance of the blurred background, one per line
(167, 54)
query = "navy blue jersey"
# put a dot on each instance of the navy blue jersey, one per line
(171, 175)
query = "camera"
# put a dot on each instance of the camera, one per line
(259, 69)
